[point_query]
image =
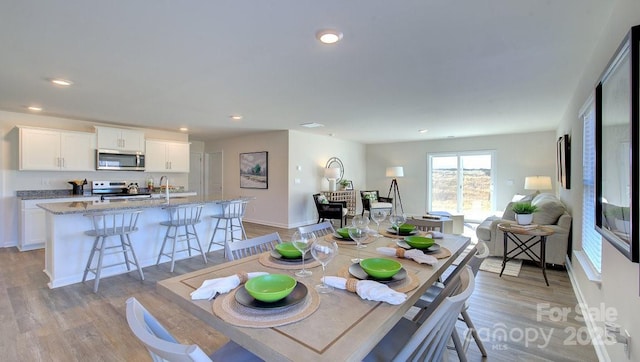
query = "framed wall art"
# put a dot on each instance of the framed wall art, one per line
(254, 170)
(564, 161)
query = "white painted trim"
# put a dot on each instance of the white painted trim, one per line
(597, 342)
(592, 274)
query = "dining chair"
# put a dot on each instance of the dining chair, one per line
(248, 247)
(482, 251)
(321, 229)
(425, 224)
(410, 341)
(162, 346)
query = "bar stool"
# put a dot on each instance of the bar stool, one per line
(231, 215)
(182, 216)
(105, 225)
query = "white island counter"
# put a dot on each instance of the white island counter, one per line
(67, 247)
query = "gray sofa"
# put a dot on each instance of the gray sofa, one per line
(551, 213)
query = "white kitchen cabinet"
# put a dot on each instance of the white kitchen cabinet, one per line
(120, 139)
(32, 221)
(166, 156)
(44, 149)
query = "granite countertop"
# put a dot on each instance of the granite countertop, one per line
(81, 207)
(63, 194)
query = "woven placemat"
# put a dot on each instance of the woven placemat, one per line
(341, 241)
(267, 260)
(409, 283)
(228, 309)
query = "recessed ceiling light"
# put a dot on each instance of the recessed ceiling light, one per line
(235, 117)
(329, 36)
(184, 129)
(35, 108)
(423, 130)
(61, 82)
(312, 125)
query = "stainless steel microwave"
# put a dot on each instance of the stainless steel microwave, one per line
(119, 160)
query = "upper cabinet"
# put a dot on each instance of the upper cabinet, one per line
(120, 139)
(166, 156)
(55, 150)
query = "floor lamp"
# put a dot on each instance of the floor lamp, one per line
(395, 172)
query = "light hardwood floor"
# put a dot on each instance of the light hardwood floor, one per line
(513, 314)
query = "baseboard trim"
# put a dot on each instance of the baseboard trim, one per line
(596, 338)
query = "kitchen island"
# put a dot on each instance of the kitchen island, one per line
(67, 247)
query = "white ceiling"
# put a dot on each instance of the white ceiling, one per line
(455, 67)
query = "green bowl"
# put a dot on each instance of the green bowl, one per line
(270, 287)
(287, 250)
(405, 228)
(419, 242)
(380, 268)
(343, 232)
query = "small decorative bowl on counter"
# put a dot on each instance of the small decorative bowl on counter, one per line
(419, 242)
(380, 268)
(287, 250)
(271, 287)
(405, 228)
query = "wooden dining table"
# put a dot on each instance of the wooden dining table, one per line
(343, 327)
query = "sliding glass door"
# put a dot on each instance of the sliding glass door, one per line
(461, 183)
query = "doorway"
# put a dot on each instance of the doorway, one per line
(213, 175)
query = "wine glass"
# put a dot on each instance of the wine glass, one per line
(324, 250)
(358, 235)
(397, 220)
(360, 221)
(378, 216)
(303, 242)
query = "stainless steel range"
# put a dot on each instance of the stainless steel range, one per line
(109, 190)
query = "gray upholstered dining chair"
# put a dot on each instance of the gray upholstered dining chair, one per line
(410, 341)
(162, 346)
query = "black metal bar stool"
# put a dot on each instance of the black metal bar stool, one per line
(105, 225)
(230, 222)
(182, 218)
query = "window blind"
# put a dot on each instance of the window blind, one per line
(591, 239)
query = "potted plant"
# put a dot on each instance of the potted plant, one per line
(524, 212)
(344, 183)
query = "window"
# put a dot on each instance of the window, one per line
(461, 183)
(591, 240)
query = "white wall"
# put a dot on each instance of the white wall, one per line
(620, 290)
(13, 180)
(286, 203)
(311, 153)
(517, 156)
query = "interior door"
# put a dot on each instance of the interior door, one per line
(196, 172)
(214, 175)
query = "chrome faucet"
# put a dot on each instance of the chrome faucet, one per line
(166, 189)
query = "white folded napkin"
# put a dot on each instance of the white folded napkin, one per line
(211, 287)
(368, 289)
(413, 254)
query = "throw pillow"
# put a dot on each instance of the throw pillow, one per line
(372, 196)
(322, 199)
(508, 212)
(548, 212)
